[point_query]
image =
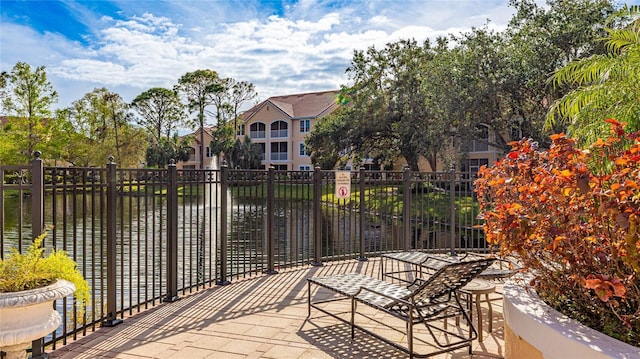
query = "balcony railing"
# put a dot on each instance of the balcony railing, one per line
(279, 156)
(144, 236)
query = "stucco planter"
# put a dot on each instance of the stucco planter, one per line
(534, 330)
(29, 315)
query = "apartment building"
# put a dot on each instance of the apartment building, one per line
(194, 151)
(280, 123)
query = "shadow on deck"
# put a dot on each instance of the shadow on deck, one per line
(260, 317)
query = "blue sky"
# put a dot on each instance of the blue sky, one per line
(282, 47)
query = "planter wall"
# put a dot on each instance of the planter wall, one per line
(534, 330)
(29, 315)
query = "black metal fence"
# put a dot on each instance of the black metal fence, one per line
(144, 236)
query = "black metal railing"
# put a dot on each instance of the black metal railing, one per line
(144, 236)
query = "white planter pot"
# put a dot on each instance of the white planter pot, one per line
(29, 315)
(534, 330)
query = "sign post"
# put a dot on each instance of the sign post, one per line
(343, 184)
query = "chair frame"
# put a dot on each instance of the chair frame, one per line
(422, 261)
(422, 301)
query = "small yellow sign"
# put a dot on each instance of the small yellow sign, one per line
(343, 184)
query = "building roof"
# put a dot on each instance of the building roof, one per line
(304, 105)
(207, 130)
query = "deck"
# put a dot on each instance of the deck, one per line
(260, 317)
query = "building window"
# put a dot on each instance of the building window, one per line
(258, 130)
(473, 165)
(279, 151)
(305, 126)
(240, 130)
(481, 145)
(263, 149)
(279, 129)
(209, 154)
(303, 150)
(304, 168)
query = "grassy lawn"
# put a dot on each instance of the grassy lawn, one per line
(382, 199)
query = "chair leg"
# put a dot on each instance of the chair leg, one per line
(479, 313)
(410, 333)
(353, 315)
(490, 313)
(309, 299)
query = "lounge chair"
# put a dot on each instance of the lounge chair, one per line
(425, 263)
(423, 301)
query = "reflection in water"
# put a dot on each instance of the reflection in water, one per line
(80, 229)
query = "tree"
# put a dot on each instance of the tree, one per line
(103, 118)
(222, 139)
(388, 105)
(328, 139)
(239, 93)
(227, 104)
(176, 148)
(604, 86)
(4, 81)
(161, 112)
(245, 155)
(199, 88)
(539, 42)
(443, 80)
(27, 97)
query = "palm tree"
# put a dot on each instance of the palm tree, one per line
(606, 86)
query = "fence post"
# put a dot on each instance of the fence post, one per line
(362, 257)
(111, 319)
(452, 207)
(172, 235)
(37, 227)
(271, 230)
(224, 188)
(317, 217)
(406, 208)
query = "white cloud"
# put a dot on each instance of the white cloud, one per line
(306, 49)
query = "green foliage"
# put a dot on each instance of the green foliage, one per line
(222, 139)
(102, 124)
(27, 96)
(245, 155)
(604, 85)
(573, 225)
(33, 269)
(328, 137)
(161, 112)
(160, 154)
(386, 104)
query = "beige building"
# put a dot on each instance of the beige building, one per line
(280, 123)
(194, 152)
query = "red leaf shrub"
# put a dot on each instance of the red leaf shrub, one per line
(571, 216)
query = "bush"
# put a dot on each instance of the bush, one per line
(572, 217)
(32, 269)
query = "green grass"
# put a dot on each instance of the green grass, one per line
(386, 199)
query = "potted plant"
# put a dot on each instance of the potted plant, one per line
(29, 283)
(572, 217)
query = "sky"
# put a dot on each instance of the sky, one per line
(282, 47)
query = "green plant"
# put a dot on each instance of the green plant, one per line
(572, 217)
(33, 269)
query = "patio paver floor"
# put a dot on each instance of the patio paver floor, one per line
(258, 317)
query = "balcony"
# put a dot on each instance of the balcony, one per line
(259, 317)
